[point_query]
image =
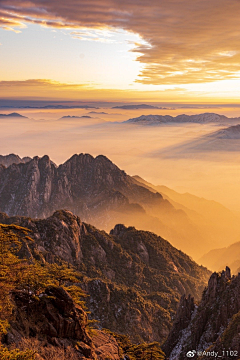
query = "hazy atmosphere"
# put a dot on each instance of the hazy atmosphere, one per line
(119, 179)
(156, 153)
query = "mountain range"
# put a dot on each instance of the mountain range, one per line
(100, 193)
(153, 120)
(134, 279)
(136, 106)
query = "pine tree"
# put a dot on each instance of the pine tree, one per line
(11, 240)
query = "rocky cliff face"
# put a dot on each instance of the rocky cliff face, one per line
(213, 326)
(83, 184)
(53, 321)
(134, 278)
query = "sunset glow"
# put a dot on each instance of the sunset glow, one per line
(180, 51)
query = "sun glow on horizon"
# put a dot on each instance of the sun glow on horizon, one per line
(125, 53)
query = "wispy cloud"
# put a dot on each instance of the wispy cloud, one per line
(190, 41)
(41, 83)
(104, 36)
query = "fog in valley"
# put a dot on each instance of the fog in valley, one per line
(187, 158)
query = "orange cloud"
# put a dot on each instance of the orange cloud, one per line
(189, 41)
(48, 89)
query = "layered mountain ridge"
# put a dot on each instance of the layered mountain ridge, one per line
(93, 188)
(134, 278)
(102, 194)
(217, 259)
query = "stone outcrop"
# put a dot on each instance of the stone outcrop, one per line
(134, 278)
(213, 325)
(53, 319)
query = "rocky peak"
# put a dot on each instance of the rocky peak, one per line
(7, 160)
(217, 284)
(90, 187)
(118, 229)
(214, 323)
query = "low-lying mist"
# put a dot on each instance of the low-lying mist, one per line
(159, 154)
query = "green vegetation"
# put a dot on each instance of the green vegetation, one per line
(27, 276)
(231, 331)
(10, 268)
(142, 351)
(16, 354)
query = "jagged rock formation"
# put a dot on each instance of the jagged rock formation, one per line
(213, 325)
(53, 319)
(7, 160)
(83, 184)
(134, 278)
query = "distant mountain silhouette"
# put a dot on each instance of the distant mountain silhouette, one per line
(98, 112)
(215, 220)
(15, 115)
(137, 106)
(217, 259)
(153, 120)
(75, 117)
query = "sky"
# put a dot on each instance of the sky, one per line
(121, 50)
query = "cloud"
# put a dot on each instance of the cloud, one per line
(49, 89)
(37, 88)
(189, 41)
(41, 83)
(99, 35)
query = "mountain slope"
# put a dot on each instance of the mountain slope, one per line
(218, 224)
(213, 325)
(217, 259)
(224, 140)
(134, 278)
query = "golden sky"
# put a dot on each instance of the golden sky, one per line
(175, 50)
